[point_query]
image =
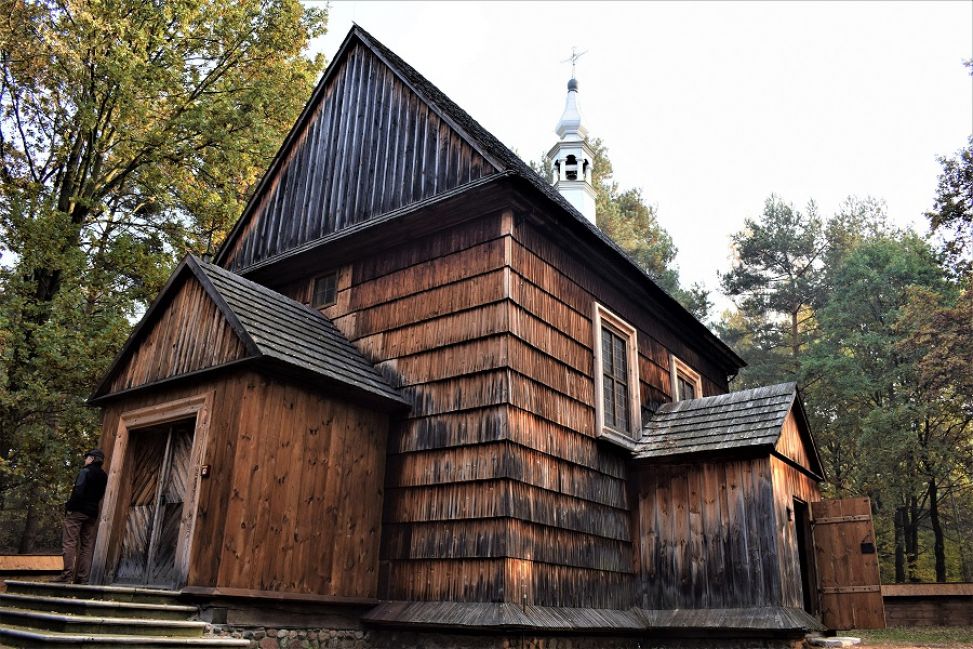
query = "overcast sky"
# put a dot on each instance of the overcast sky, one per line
(709, 107)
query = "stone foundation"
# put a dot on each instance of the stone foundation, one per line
(269, 638)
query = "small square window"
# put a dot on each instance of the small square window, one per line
(686, 383)
(325, 290)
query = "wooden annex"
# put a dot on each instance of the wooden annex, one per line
(417, 387)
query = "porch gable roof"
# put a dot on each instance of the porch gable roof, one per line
(270, 327)
(746, 419)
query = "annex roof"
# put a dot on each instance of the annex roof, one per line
(269, 327)
(344, 120)
(747, 419)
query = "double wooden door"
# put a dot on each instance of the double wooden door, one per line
(160, 475)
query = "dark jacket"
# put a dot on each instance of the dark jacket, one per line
(88, 490)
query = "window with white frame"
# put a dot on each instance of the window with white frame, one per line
(685, 381)
(617, 404)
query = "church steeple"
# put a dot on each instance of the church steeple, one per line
(571, 156)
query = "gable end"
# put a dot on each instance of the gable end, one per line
(368, 144)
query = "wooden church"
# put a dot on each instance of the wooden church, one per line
(420, 390)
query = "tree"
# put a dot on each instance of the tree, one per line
(880, 426)
(952, 214)
(935, 339)
(130, 133)
(777, 278)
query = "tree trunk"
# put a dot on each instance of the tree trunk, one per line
(28, 538)
(937, 530)
(899, 545)
(912, 540)
(966, 569)
(795, 340)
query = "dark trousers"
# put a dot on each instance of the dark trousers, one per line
(79, 545)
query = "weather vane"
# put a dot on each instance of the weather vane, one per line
(575, 55)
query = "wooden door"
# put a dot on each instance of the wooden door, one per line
(849, 586)
(159, 483)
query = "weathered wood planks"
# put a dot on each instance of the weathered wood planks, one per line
(293, 500)
(192, 334)
(706, 535)
(847, 564)
(370, 146)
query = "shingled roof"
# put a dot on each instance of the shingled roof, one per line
(272, 327)
(738, 420)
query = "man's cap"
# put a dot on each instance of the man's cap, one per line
(96, 453)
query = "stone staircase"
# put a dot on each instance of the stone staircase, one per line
(44, 614)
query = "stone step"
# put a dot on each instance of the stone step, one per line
(14, 636)
(89, 591)
(97, 607)
(92, 625)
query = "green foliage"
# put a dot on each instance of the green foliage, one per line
(130, 133)
(776, 280)
(952, 215)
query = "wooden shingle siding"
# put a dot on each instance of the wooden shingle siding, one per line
(552, 269)
(192, 334)
(497, 488)
(370, 147)
(451, 580)
(432, 315)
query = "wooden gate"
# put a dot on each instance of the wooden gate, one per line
(160, 475)
(847, 564)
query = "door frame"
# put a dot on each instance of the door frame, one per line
(111, 519)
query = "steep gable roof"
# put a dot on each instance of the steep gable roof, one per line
(312, 191)
(737, 420)
(255, 324)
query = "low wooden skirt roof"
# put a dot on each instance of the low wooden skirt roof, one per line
(208, 318)
(748, 419)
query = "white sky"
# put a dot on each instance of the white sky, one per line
(709, 107)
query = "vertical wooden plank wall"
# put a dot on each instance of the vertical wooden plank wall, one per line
(705, 539)
(370, 147)
(211, 512)
(190, 334)
(293, 500)
(305, 499)
(790, 483)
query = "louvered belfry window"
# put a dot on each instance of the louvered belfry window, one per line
(614, 367)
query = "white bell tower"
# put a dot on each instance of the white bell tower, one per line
(571, 156)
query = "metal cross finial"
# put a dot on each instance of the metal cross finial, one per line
(575, 55)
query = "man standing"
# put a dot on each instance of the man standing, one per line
(81, 518)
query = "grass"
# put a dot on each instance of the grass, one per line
(951, 637)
